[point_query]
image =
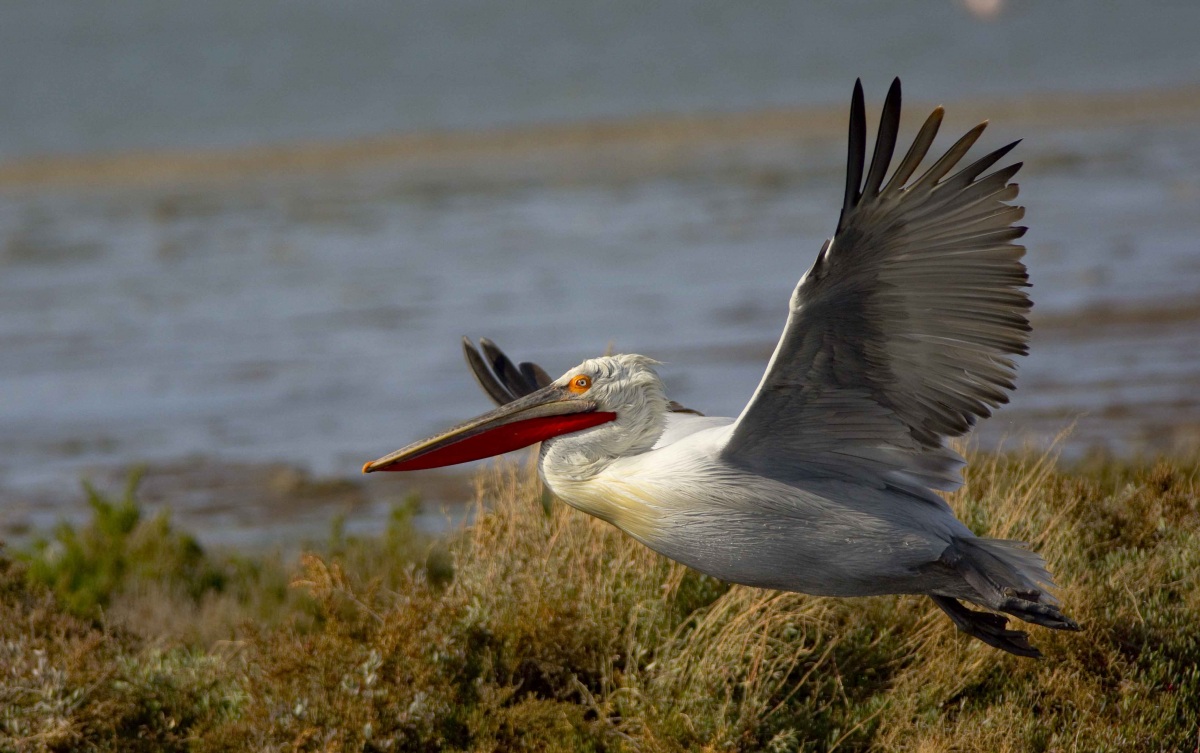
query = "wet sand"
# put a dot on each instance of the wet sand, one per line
(632, 148)
(251, 506)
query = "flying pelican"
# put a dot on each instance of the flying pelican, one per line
(900, 336)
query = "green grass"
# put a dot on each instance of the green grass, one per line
(538, 628)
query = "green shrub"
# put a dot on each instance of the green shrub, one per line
(86, 567)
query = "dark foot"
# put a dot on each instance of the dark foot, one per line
(990, 628)
(1046, 615)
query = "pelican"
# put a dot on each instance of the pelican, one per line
(900, 336)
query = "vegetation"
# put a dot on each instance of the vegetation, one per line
(537, 628)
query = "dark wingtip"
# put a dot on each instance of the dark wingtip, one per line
(885, 141)
(483, 374)
(893, 92)
(998, 154)
(856, 151)
(536, 374)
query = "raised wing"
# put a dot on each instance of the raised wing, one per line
(504, 381)
(902, 333)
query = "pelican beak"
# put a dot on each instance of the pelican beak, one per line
(549, 412)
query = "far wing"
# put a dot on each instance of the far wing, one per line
(902, 333)
(498, 376)
(504, 381)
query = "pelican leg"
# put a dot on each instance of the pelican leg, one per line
(990, 628)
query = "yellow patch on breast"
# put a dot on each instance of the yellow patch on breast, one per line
(630, 507)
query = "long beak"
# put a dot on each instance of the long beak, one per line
(540, 415)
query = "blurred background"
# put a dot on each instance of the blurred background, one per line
(239, 242)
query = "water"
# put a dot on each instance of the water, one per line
(313, 318)
(79, 76)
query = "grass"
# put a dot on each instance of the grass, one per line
(537, 628)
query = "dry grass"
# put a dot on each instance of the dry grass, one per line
(538, 628)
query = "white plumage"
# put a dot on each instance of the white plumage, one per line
(900, 336)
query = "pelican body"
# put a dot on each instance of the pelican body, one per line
(900, 336)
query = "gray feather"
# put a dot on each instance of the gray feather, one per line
(903, 331)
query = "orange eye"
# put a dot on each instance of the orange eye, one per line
(580, 384)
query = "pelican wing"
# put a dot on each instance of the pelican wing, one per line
(504, 381)
(902, 333)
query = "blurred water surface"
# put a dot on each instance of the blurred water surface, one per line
(81, 76)
(313, 318)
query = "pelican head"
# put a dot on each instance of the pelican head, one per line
(602, 409)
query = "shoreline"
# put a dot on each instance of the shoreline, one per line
(571, 150)
(277, 507)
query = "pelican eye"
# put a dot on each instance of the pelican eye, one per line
(580, 384)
